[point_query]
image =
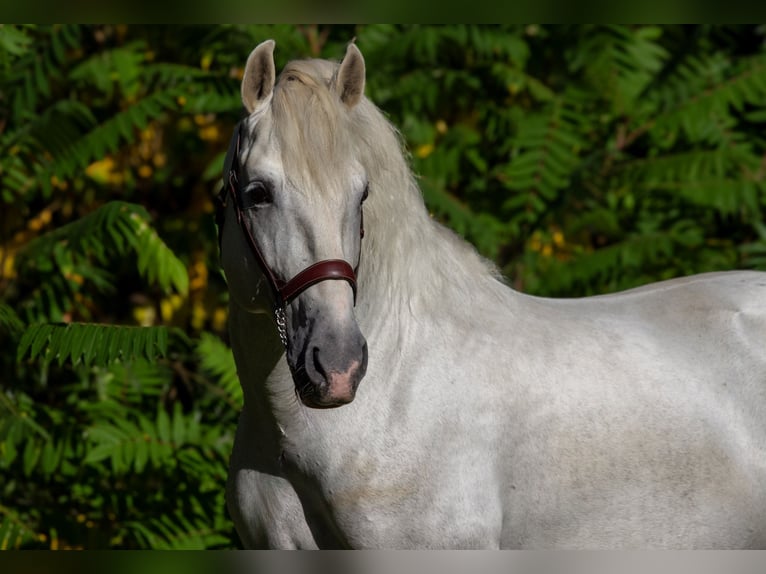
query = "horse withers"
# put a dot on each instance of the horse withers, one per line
(421, 402)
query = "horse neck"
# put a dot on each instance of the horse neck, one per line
(411, 266)
(414, 270)
(257, 350)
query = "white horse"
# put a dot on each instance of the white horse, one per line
(482, 417)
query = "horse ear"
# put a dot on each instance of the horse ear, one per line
(258, 79)
(349, 82)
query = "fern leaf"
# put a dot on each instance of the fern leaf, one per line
(128, 444)
(92, 344)
(620, 62)
(10, 321)
(547, 147)
(109, 231)
(217, 359)
(130, 382)
(13, 41)
(14, 531)
(180, 532)
(705, 90)
(110, 134)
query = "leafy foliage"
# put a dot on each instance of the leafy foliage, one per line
(92, 344)
(585, 159)
(582, 159)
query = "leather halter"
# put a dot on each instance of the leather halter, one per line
(283, 292)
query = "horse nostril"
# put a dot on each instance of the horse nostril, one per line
(317, 364)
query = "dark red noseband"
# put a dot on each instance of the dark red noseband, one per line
(283, 292)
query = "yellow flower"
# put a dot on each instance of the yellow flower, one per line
(56, 182)
(100, 170)
(198, 316)
(219, 318)
(170, 305)
(144, 315)
(7, 259)
(199, 276)
(147, 134)
(208, 133)
(424, 151)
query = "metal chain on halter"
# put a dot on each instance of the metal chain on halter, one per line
(279, 316)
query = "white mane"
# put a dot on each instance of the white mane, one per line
(409, 261)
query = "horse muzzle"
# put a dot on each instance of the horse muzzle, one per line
(328, 375)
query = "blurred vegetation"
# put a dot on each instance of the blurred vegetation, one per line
(582, 159)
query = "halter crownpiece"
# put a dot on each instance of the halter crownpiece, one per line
(284, 292)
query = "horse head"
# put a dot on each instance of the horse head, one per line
(295, 185)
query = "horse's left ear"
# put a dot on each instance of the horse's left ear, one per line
(349, 81)
(258, 79)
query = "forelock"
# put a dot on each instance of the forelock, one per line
(310, 122)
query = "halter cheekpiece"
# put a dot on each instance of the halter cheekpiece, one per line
(283, 291)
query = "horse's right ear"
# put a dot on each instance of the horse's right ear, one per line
(349, 81)
(259, 76)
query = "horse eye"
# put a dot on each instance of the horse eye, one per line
(256, 194)
(366, 192)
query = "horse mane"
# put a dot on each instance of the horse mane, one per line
(409, 260)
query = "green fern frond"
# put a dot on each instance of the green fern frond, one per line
(621, 62)
(37, 69)
(692, 165)
(132, 381)
(755, 253)
(129, 445)
(547, 147)
(215, 100)
(10, 321)
(114, 229)
(14, 531)
(607, 267)
(217, 359)
(38, 457)
(92, 344)
(724, 196)
(178, 531)
(156, 261)
(704, 114)
(109, 135)
(117, 67)
(516, 80)
(19, 430)
(14, 42)
(716, 178)
(54, 129)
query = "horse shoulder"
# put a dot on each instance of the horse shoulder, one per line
(263, 505)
